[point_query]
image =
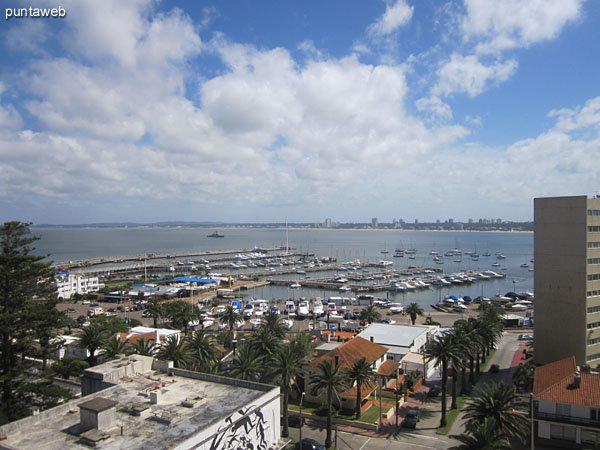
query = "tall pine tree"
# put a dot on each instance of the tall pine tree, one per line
(26, 286)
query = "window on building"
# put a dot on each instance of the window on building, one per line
(593, 325)
(593, 244)
(593, 341)
(593, 260)
(593, 212)
(594, 414)
(593, 229)
(592, 357)
(563, 409)
(562, 432)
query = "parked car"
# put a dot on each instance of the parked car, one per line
(71, 310)
(494, 368)
(411, 419)
(94, 304)
(294, 421)
(525, 337)
(309, 444)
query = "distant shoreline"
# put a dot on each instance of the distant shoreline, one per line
(250, 227)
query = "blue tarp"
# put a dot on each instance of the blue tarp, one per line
(194, 280)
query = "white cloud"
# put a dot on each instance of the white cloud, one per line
(395, 16)
(435, 106)
(507, 24)
(578, 118)
(466, 74)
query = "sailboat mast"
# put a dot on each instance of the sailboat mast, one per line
(287, 241)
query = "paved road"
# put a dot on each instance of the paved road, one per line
(412, 440)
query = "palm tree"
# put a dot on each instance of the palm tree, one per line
(442, 349)
(231, 317)
(143, 347)
(523, 376)
(482, 436)
(246, 364)
(155, 309)
(93, 338)
(286, 364)
(114, 346)
(414, 310)
(496, 402)
(203, 352)
(457, 361)
(263, 341)
(273, 323)
(361, 372)
(175, 349)
(180, 314)
(328, 379)
(370, 314)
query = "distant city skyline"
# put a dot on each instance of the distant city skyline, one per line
(242, 111)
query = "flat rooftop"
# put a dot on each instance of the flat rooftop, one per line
(188, 402)
(394, 335)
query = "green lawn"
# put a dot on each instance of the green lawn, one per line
(371, 415)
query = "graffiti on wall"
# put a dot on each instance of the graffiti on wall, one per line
(246, 432)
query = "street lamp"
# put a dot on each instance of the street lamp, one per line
(301, 398)
(396, 392)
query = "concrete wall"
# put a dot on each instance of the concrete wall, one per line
(560, 248)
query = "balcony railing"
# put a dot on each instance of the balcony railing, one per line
(567, 419)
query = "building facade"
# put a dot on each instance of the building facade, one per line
(566, 404)
(68, 284)
(567, 279)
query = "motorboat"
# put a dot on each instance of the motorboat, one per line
(216, 235)
(288, 323)
(345, 288)
(295, 285)
(207, 323)
(459, 307)
(248, 310)
(290, 308)
(396, 308)
(317, 307)
(302, 309)
(519, 307)
(501, 299)
(255, 322)
(274, 309)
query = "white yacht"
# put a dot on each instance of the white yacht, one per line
(302, 309)
(317, 307)
(290, 308)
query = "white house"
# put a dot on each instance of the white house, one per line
(567, 403)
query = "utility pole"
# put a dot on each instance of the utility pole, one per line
(302, 398)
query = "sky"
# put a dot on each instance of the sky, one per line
(261, 110)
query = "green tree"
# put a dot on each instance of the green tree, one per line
(370, 314)
(46, 323)
(174, 349)
(482, 436)
(93, 337)
(286, 365)
(231, 317)
(246, 364)
(113, 346)
(523, 375)
(180, 314)
(155, 309)
(203, 352)
(442, 349)
(360, 373)
(144, 347)
(25, 281)
(497, 403)
(414, 310)
(274, 324)
(329, 380)
(68, 367)
(263, 341)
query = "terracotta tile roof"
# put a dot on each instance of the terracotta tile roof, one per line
(365, 390)
(388, 368)
(351, 351)
(134, 337)
(553, 382)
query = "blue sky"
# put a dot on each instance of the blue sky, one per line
(253, 111)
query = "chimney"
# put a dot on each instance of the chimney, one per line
(337, 360)
(98, 413)
(372, 339)
(576, 381)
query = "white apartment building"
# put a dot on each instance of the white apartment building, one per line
(69, 284)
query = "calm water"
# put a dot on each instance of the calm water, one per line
(86, 243)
